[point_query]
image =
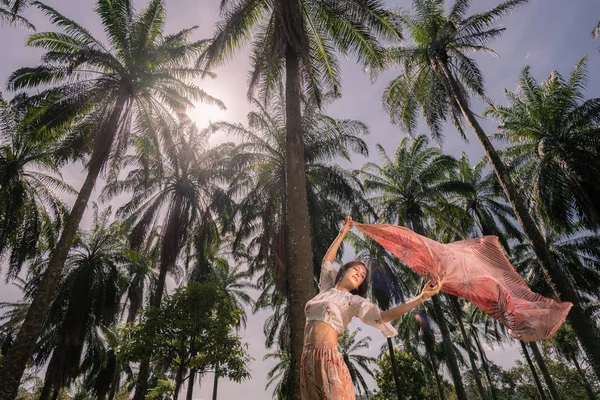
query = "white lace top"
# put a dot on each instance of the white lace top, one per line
(337, 307)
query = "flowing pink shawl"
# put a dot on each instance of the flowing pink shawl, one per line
(478, 271)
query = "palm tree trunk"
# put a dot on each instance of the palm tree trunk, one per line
(562, 288)
(446, 340)
(449, 349)
(16, 360)
(469, 347)
(542, 364)
(536, 378)
(486, 367)
(215, 383)
(300, 271)
(190, 389)
(394, 367)
(584, 380)
(170, 247)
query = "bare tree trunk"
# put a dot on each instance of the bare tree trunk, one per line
(215, 383)
(536, 378)
(562, 288)
(584, 380)
(486, 368)
(16, 360)
(394, 368)
(300, 271)
(542, 364)
(190, 389)
(458, 312)
(178, 380)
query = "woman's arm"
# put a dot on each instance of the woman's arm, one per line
(429, 290)
(333, 249)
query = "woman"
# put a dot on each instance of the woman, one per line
(324, 374)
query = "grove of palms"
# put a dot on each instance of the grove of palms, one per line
(197, 230)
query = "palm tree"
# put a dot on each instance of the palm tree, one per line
(280, 375)
(553, 144)
(437, 77)
(596, 32)
(10, 11)
(29, 182)
(300, 37)
(260, 182)
(485, 203)
(87, 299)
(176, 177)
(410, 191)
(141, 72)
(348, 346)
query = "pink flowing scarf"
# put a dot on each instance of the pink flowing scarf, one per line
(478, 271)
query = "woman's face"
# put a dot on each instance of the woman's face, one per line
(355, 276)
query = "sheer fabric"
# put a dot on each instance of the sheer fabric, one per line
(478, 271)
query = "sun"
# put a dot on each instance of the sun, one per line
(204, 114)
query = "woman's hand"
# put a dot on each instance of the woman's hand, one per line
(346, 224)
(432, 287)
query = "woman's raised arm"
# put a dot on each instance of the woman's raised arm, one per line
(333, 249)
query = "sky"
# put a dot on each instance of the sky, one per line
(546, 34)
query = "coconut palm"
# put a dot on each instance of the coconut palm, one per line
(29, 184)
(486, 204)
(410, 190)
(139, 72)
(175, 178)
(348, 346)
(596, 32)
(280, 375)
(87, 299)
(297, 40)
(10, 11)
(552, 137)
(437, 78)
(260, 181)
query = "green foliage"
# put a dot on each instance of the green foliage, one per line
(192, 329)
(164, 389)
(415, 384)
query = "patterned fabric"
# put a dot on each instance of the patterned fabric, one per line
(324, 374)
(337, 307)
(478, 271)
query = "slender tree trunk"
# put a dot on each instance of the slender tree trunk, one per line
(486, 367)
(300, 271)
(178, 380)
(215, 383)
(190, 389)
(436, 375)
(115, 383)
(562, 288)
(16, 360)
(449, 349)
(584, 380)
(536, 378)
(446, 340)
(463, 331)
(542, 364)
(46, 389)
(170, 246)
(394, 368)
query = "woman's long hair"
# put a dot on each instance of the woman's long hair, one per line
(364, 286)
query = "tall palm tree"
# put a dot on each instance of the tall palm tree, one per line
(410, 190)
(297, 40)
(141, 71)
(29, 184)
(87, 299)
(348, 346)
(175, 178)
(437, 77)
(260, 182)
(552, 137)
(486, 204)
